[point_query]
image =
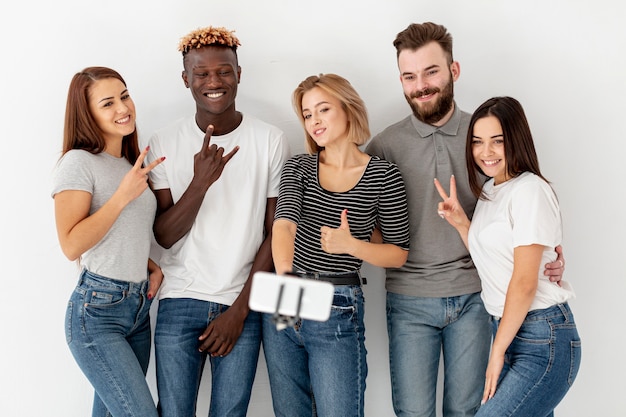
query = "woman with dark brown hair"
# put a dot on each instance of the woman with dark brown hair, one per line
(104, 212)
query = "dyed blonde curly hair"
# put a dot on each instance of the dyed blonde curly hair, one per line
(208, 36)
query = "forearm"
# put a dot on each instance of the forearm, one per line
(173, 223)
(518, 301)
(519, 296)
(463, 230)
(384, 255)
(283, 245)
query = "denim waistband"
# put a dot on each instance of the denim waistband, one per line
(339, 278)
(98, 281)
(557, 310)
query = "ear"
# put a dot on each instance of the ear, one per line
(184, 75)
(455, 69)
(238, 74)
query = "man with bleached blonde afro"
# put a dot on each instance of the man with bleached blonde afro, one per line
(216, 197)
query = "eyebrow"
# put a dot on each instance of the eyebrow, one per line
(317, 105)
(501, 135)
(111, 98)
(425, 69)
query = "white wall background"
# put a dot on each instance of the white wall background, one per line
(563, 59)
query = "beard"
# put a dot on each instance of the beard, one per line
(431, 113)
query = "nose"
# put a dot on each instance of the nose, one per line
(487, 149)
(420, 83)
(122, 107)
(212, 79)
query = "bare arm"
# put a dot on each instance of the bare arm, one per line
(340, 240)
(77, 230)
(283, 245)
(519, 297)
(173, 221)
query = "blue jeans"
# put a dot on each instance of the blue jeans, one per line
(318, 368)
(419, 330)
(179, 363)
(540, 365)
(107, 328)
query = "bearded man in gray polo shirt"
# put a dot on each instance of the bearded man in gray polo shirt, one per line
(433, 301)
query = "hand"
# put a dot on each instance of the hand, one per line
(338, 240)
(450, 208)
(209, 163)
(494, 368)
(136, 180)
(555, 269)
(154, 282)
(222, 333)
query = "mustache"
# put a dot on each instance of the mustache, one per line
(424, 92)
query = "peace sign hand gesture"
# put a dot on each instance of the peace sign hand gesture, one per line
(450, 208)
(136, 180)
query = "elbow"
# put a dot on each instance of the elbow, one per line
(162, 238)
(71, 253)
(163, 242)
(401, 259)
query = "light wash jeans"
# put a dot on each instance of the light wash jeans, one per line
(319, 368)
(540, 365)
(179, 363)
(107, 327)
(419, 330)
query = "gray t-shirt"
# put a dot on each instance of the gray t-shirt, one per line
(123, 252)
(438, 265)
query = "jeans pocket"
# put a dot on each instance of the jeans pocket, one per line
(575, 355)
(101, 302)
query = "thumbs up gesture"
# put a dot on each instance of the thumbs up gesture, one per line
(337, 240)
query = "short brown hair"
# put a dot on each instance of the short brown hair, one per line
(417, 35)
(339, 88)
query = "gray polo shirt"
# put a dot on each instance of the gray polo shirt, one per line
(438, 265)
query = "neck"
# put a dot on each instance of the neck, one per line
(222, 123)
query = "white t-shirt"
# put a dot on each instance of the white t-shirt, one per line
(521, 211)
(212, 262)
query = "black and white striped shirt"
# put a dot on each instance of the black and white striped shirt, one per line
(378, 198)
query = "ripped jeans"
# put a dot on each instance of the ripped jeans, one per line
(319, 365)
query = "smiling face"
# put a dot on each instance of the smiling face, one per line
(325, 120)
(212, 75)
(488, 148)
(112, 108)
(428, 82)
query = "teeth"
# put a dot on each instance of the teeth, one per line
(489, 163)
(124, 120)
(214, 95)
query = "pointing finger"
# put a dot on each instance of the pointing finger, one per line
(207, 138)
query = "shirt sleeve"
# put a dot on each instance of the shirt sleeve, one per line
(72, 173)
(290, 196)
(393, 217)
(535, 215)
